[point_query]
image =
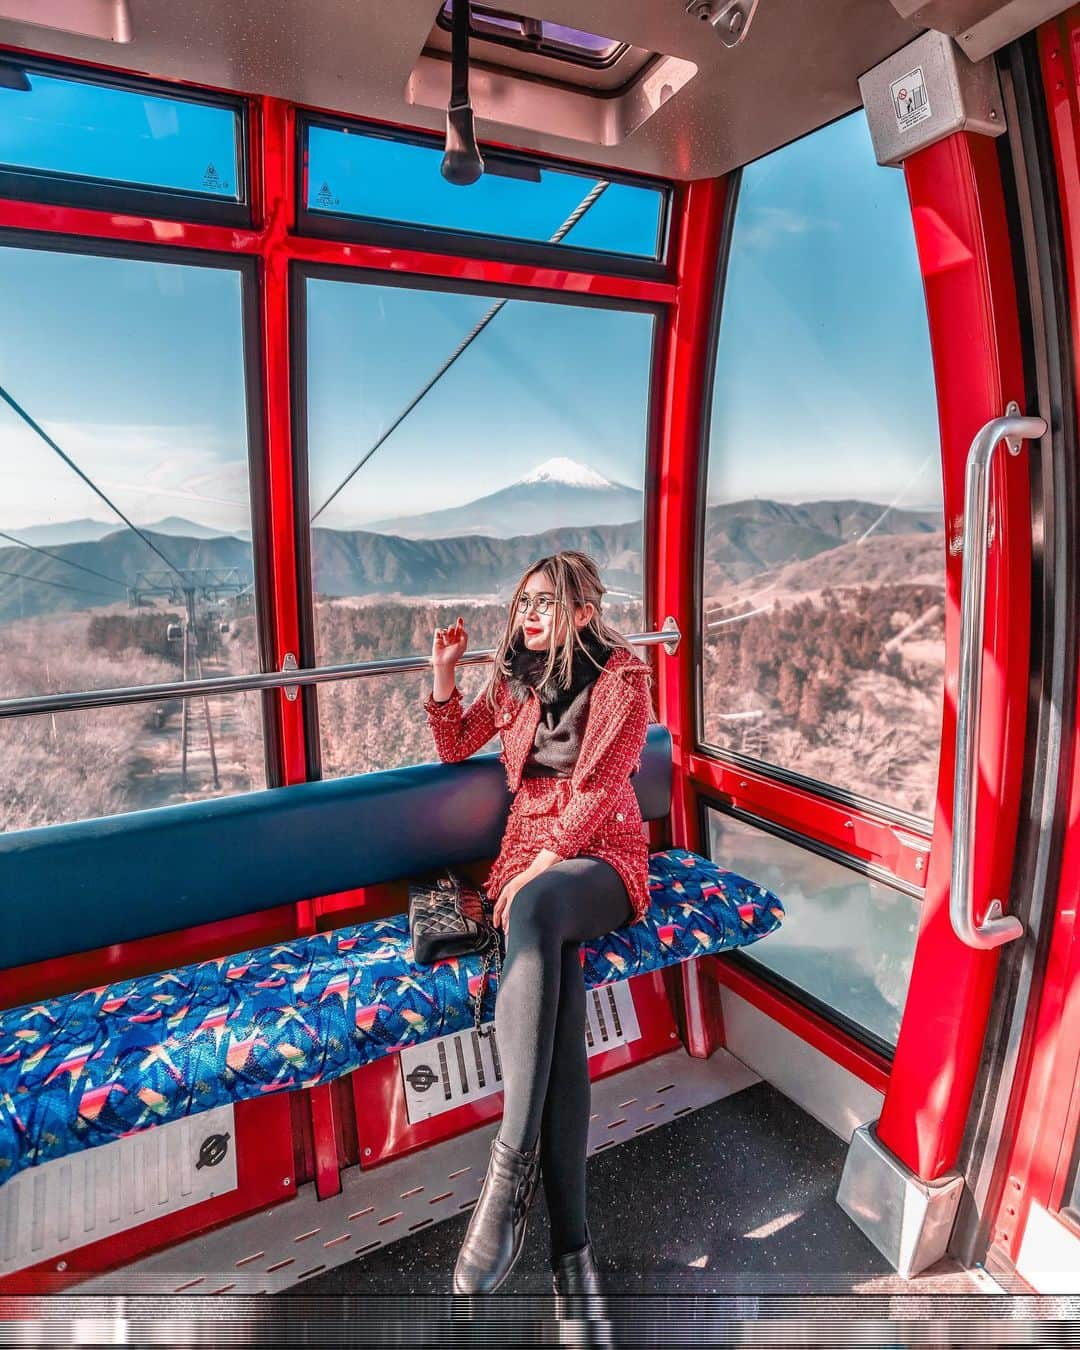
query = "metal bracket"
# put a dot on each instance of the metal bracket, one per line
(289, 664)
(730, 18)
(1014, 442)
(671, 645)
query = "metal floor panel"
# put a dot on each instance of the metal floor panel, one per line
(305, 1239)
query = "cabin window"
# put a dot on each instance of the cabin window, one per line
(134, 370)
(848, 940)
(352, 172)
(97, 141)
(433, 481)
(823, 547)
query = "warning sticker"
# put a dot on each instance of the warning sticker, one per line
(910, 101)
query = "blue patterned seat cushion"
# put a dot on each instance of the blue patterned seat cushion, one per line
(86, 1068)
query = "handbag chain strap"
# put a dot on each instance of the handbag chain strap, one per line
(491, 951)
(491, 954)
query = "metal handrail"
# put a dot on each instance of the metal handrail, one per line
(995, 928)
(288, 678)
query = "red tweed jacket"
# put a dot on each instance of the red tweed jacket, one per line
(595, 811)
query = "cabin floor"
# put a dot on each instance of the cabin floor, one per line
(736, 1198)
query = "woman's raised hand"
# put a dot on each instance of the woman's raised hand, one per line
(448, 646)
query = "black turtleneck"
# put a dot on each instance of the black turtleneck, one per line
(563, 712)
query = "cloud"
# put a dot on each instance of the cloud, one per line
(145, 468)
(762, 226)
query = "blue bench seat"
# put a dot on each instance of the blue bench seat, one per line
(86, 1068)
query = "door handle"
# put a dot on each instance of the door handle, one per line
(995, 928)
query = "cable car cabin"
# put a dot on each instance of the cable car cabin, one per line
(771, 309)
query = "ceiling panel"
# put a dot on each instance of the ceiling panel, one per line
(797, 69)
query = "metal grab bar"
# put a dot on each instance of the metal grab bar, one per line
(995, 928)
(287, 678)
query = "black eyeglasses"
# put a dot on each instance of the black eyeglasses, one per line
(543, 604)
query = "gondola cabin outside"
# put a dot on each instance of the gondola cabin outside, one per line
(769, 308)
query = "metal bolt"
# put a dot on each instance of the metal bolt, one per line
(919, 864)
(993, 114)
(367, 1153)
(736, 21)
(286, 1181)
(61, 1265)
(849, 825)
(699, 9)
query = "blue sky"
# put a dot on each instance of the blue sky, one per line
(137, 367)
(375, 176)
(69, 126)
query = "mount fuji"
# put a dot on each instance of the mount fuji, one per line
(559, 493)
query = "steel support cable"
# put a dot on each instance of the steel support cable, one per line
(60, 586)
(40, 431)
(587, 202)
(45, 553)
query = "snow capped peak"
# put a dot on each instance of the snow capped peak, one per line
(563, 470)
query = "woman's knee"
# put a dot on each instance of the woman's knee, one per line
(537, 909)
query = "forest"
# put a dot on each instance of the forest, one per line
(841, 684)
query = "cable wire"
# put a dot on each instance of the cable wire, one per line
(40, 581)
(66, 561)
(587, 202)
(40, 431)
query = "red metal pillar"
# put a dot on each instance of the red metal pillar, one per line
(273, 181)
(685, 367)
(964, 253)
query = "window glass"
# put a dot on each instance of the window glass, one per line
(353, 173)
(51, 124)
(533, 440)
(824, 549)
(85, 763)
(846, 939)
(135, 372)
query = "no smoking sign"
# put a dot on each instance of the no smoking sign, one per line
(909, 98)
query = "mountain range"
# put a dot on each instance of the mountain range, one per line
(742, 539)
(80, 531)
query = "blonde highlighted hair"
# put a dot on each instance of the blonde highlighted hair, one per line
(577, 583)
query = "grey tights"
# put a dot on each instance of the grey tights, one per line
(540, 1027)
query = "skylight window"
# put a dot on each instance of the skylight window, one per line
(538, 35)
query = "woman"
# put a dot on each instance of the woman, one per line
(572, 704)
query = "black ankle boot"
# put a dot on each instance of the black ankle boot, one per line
(579, 1295)
(576, 1273)
(496, 1230)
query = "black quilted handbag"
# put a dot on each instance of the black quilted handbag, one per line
(448, 917)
